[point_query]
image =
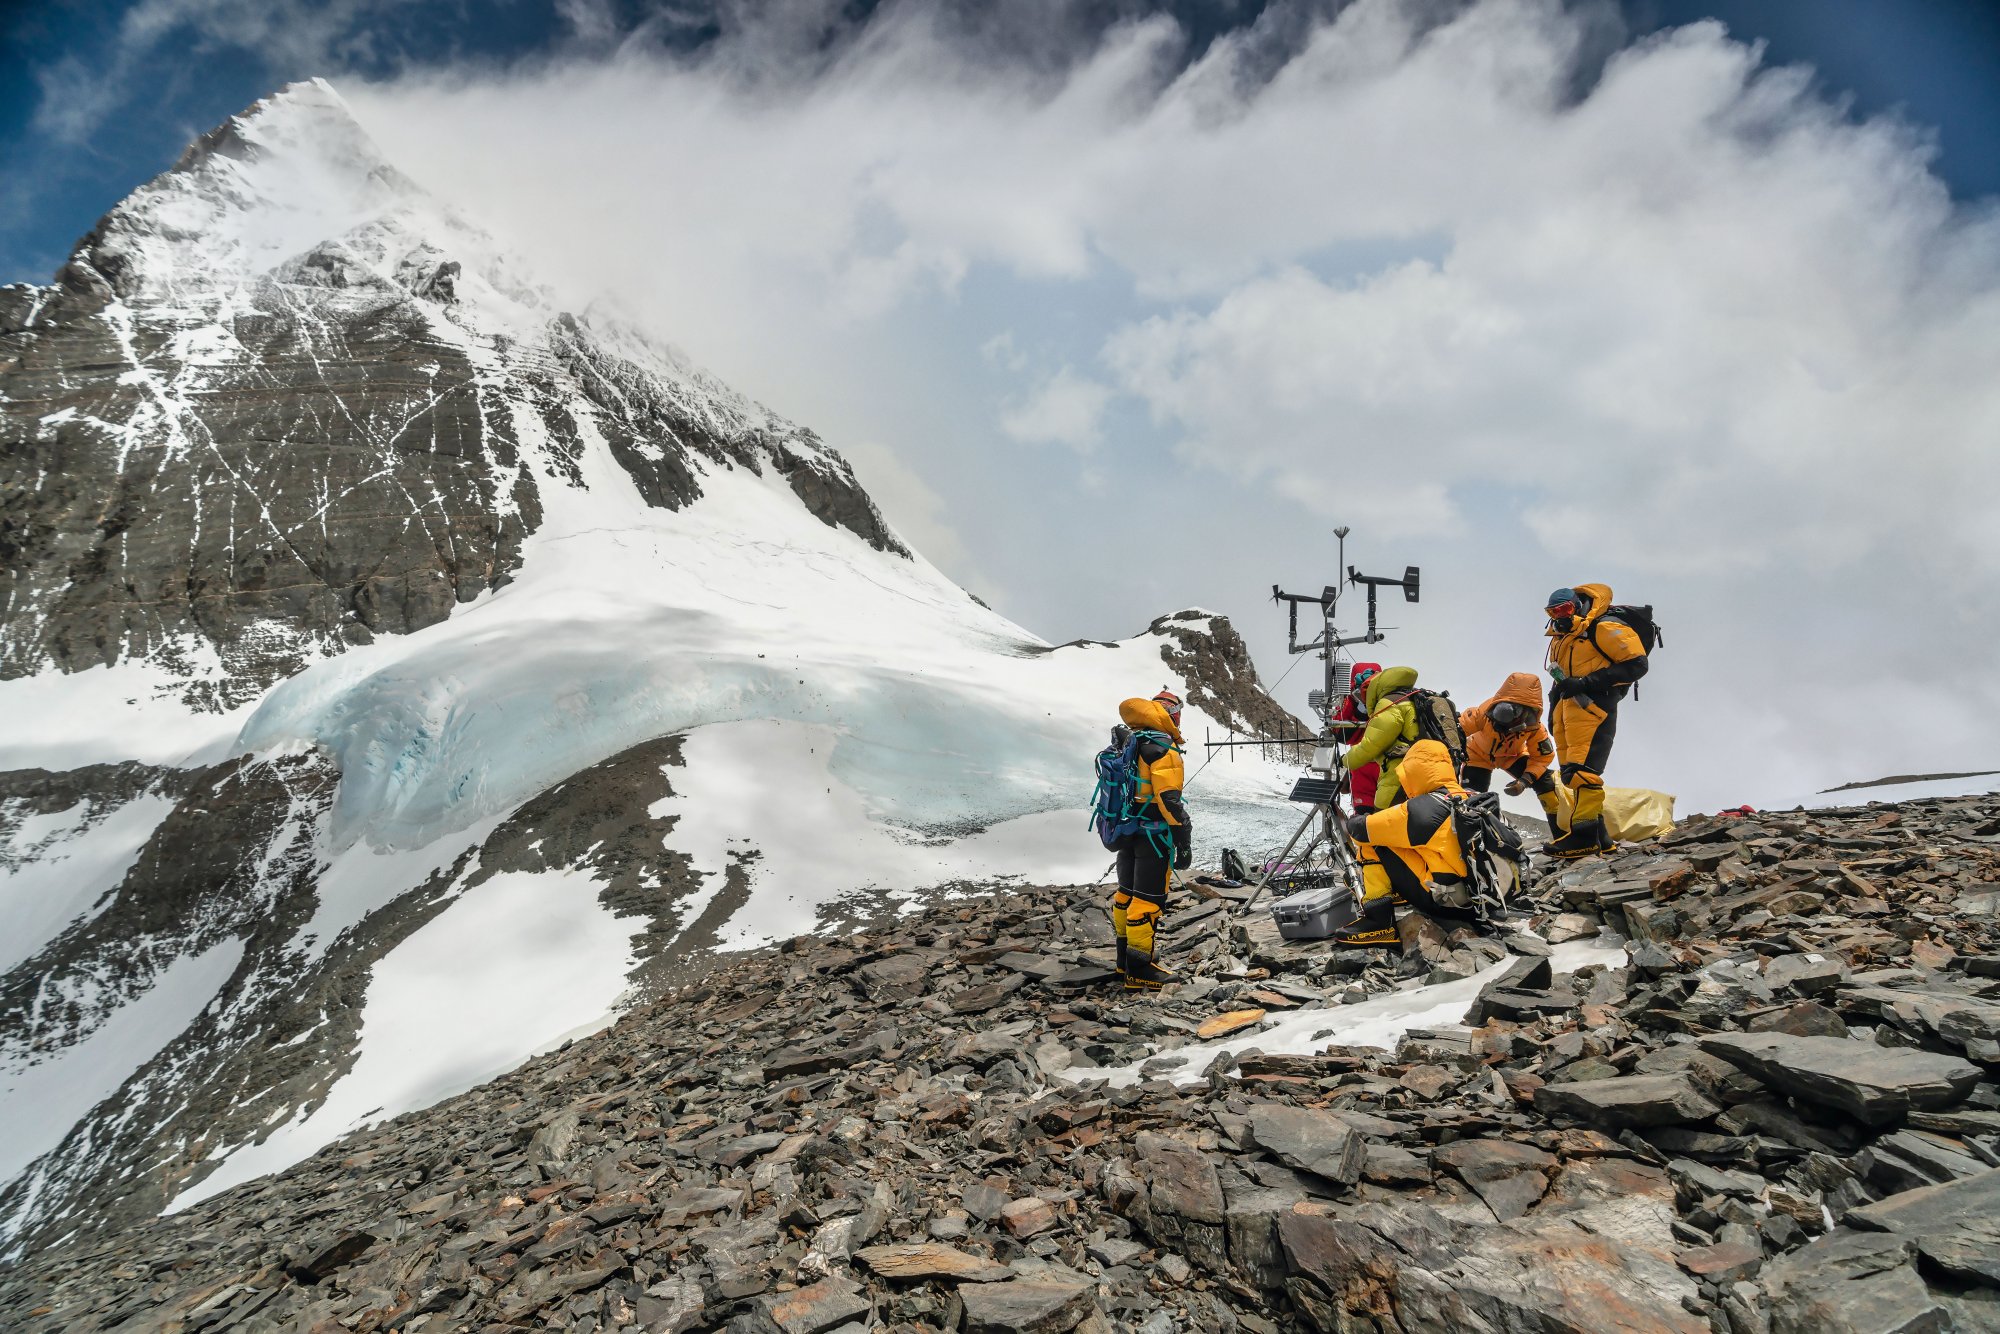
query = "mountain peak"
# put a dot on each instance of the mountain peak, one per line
(291, 172)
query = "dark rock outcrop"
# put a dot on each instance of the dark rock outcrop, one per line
(1209, 653)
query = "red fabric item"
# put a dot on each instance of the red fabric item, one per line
(1348, 722)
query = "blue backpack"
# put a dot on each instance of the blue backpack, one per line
(1115, 809)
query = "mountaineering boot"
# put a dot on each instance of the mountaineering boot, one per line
(1584, 839)
(1587, 835)
(1122, 952)
(1141, 972)
(1375, 928)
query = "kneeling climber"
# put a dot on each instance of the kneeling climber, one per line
(1408, 848)
(1594, 659)
(1163, 844)
(1506, 732)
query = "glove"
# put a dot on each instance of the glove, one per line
(1357, 828)
(1517, 787)
(1562, 689)
(1183, 858)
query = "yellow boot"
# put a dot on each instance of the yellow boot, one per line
(1141, 972)
(1587, 836)
(1119, 904)
(1375, 928)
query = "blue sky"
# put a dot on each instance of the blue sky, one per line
(1528, 294)
(86, 115)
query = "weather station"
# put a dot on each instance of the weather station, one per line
(1318, 861)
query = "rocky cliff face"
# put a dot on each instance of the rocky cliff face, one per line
(275, 406)
(1211, 656)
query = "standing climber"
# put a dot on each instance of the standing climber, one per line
(1506, 732)
(1391, 730)
(1347, 721)
(1407, 850)
(1594, 659)
(1162, 844)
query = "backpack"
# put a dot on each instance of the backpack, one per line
(1437, 720)
(1637, 619)
(1115, 809)
(1492, 848)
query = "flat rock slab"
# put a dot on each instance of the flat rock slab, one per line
(1024, 1218)
(1633, 1102)
(1180, 1179)
(323, 1255)
(1116, 1251)
(1020, 1307)
(1807, 974)
(1932, 1208)
(1878, 1085)
(817, 1307)
(1394, 1165)
(1082, 978)
(928, 1260)
(677, 1210)
(979, 999)
(1510, 1177)
(1549, 1277)
(1725, 1263)
(1229, 1021)
(1309, 1140)
(1430, 1081)
(1852, 1283)
(896, 976)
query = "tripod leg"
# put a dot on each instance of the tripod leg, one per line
(1272, 869)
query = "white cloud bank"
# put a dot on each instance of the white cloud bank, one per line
(1691, 329)
(1066, 409)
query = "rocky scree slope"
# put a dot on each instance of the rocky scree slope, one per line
(1774, 1109)
(347, 583)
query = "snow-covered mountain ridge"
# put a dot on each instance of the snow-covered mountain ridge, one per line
(401, 670)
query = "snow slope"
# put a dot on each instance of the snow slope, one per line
(57, 867)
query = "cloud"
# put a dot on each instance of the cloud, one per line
(592, 23)
(74, 100)
(1525, 305)
(296, 38)
(1066, 409)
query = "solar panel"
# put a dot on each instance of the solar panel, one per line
(1314, 789)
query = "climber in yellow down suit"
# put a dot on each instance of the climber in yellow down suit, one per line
(1594, 659)
(1407, 849)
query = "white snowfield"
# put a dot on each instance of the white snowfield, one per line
(854, 721)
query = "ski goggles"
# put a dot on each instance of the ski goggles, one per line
(1562, 611)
